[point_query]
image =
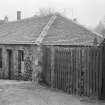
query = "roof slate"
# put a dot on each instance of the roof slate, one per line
(66, 32)
(63, 31)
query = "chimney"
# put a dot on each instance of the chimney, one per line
(5, 19)
(95, 41)
(75, 19)
(18, 15)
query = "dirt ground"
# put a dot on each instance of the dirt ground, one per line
(25, 93)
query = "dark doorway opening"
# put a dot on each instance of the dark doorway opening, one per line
(10, 59)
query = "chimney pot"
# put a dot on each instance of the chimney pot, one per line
(18, 15)
(5, 19)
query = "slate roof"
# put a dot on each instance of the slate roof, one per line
(63, 31)
(23, 31)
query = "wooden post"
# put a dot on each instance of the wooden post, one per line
(52, 65)
(97, 68)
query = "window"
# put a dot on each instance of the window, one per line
(20, 61)
(21, 55)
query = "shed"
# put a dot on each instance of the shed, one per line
(70, 53)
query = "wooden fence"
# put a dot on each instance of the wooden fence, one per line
(75, 70)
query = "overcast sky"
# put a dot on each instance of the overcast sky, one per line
(88, 12)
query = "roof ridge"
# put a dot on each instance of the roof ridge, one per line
(45, 30)
(15, 21)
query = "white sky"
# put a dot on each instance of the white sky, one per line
(87, 12)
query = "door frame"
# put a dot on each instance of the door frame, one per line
(9, 62)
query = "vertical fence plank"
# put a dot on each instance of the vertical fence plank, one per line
(72, 71)
(76, 54)
(56, 67)
(64, 64)
(75, 71)
(93, 73)
(97, 72)
(84, 71)
(100, 72)
(81, 72)
(90, 72)
(79, 69)
(90, 85)
(52, 65)
(59, 69)
(67, 72)
(87, 67)
(62, 71)
(98, 61)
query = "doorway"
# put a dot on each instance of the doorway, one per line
(10, 59)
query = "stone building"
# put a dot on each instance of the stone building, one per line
(22, 41)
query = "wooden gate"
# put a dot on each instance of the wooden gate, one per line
(76, 70)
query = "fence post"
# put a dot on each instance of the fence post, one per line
(52, 65)
(100, 73)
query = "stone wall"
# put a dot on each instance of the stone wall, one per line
(31, 53)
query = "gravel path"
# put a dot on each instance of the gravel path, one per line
(25, 93)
